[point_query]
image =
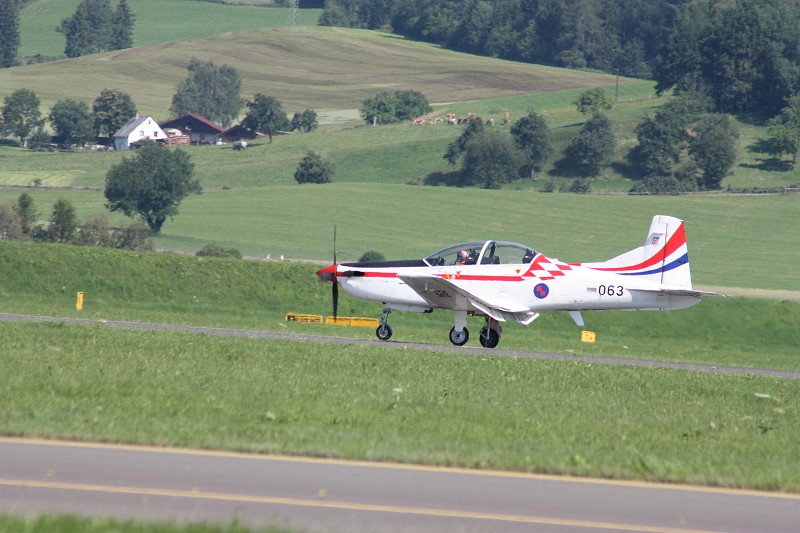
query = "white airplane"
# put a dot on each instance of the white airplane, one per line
(504, 281)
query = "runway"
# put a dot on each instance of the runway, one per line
(323, 495)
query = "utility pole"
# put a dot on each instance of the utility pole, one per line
(293, 6)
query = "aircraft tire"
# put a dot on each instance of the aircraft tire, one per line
(459, 338)
(384, 332)
(489, 337)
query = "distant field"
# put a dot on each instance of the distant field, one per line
(320, 68)
(734, 241)
(157, 21)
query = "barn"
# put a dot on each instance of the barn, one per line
(200, 130)
(135, 130)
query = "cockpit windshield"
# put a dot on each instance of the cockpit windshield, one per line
(482, 253)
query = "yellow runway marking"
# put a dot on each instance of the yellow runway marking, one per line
(340, 505)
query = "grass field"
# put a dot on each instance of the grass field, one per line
(734, 241)
(419, 407)
(155, 21)
(169, 288)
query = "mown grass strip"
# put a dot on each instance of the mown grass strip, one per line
(75, 524)
(162, 388)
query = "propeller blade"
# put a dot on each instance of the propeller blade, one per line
(334, 244)
(335, 296)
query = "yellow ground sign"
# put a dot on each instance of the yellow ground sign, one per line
(357, 321)
(308, 319)
(588, 336)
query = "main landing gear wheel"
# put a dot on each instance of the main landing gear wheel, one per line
(489, 337)
(384, 332)
(459, 338)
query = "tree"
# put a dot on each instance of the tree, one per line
(9, 33)
(386, 108)
(88, 29)
(305, 121)
(21, 114)
(151, 183)
(210, 91)
(314, 169)
(657, 150)
(593, 101)
(112, 109)
(454, 150)
(265, 114)
(532, 137)
(10, 228)
(72, 121)
(122, 22)
(25, 210)
(410, 104)
(379, 109)
(593, 148)
(713, 148)
(783, 131)
(490, 160)
(63, 222)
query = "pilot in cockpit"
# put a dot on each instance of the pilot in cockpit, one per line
(528, 257)
(465, 258)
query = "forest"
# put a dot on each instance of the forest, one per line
(742, 55)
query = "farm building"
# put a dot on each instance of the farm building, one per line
(135, 130)
(199, 130)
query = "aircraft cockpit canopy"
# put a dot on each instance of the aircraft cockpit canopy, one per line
(482, 253)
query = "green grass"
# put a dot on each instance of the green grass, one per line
(734, 240)
(155, 21)
(173, 389)
(168, 288)
(75, 524)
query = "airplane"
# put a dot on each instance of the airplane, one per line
(506, 281)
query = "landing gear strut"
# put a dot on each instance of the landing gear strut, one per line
(384, 331)
(459, 335)
(490, 333)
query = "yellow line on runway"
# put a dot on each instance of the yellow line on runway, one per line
(340, 505)
(404, 466)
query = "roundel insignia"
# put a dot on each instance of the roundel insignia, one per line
(541, 291)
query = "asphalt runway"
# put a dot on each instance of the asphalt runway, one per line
(474, 350)
(322, 495)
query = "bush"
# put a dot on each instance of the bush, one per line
(215, 250)
(370, 256)
(135, 236)
(314, 169)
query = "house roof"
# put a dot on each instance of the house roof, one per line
(193, 123)
(131, 126)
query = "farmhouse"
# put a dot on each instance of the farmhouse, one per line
(135, 130)
(200, 130)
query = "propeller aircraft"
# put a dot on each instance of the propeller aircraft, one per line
(505, 281)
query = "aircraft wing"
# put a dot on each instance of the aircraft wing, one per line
(682, 292)
(444, 294)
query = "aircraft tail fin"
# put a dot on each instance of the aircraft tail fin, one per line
(663, 259)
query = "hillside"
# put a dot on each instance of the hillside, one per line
(316, 67)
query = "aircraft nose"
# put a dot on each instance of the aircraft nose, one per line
(328, 273)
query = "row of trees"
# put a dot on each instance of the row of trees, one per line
(682, 148)
(72, 121)
(22, 221)
(742, 54)
(97, 27)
